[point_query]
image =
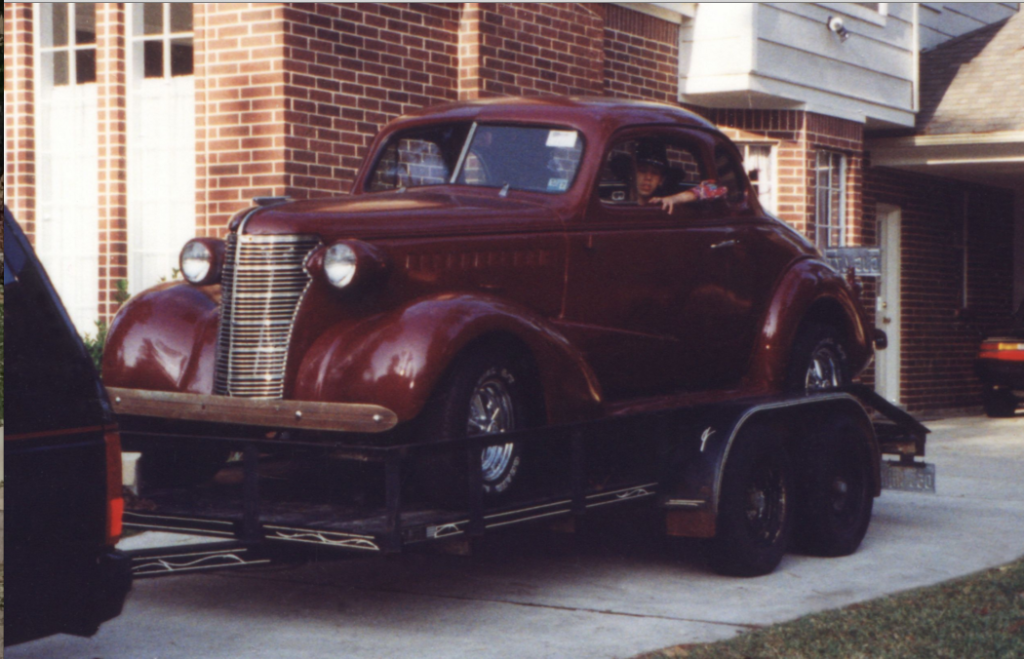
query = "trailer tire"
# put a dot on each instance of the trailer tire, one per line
(755, 512)
(482, 378)
(835, 492)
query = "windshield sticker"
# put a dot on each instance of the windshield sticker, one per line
(558, 184)
(561, 139)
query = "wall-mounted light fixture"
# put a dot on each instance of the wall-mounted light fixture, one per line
(835, 24)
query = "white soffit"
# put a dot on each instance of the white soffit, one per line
(997, 158)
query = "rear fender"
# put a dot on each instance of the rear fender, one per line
(164, 339)
(810, 289)
(396, 359)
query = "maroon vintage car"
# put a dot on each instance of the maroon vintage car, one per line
(499, 264)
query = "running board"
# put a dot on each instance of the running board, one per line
(203, 557)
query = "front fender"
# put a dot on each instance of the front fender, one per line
(396, 359)
(164, 339)
(810, 287)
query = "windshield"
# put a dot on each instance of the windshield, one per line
(536, 159)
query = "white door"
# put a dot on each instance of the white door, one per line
(887, 309)
(161, 177)
(161, 141)
(67, 152)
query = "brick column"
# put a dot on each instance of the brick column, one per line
(240, 108)
(113, 173)
(469, 51)
(19, 116)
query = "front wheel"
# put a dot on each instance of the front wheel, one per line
(485, 394)
(755, 511)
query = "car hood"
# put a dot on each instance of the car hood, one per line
(403, 214)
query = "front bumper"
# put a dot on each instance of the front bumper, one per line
(273, 413)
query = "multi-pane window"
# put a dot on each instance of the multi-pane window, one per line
(830, 203)
(162, 36)
(68, 46)
(759, 162)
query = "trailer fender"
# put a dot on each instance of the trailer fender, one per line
(396, 359)
(694, 485)
(164, 339)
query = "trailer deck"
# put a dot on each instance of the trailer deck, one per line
(260, 512)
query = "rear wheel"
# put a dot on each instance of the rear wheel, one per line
(818, 361)
(999, 403)
(486, 393)
(836, 493)
(755, 512)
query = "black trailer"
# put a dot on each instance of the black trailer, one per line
(753, 477)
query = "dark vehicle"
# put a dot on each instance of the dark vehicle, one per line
(498, 266)
(62, 456)
(1000, 367)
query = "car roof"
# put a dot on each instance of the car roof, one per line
(608, 113)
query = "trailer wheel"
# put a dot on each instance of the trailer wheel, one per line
(836, 493)
(755, 513)
(818, 360)
(485, 393)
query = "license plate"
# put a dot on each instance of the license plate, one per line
(919, 477)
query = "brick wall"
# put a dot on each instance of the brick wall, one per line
(939, 340)
(529, 49)
(641, 56)
(112, 142)
(290, 95)
(19, 126)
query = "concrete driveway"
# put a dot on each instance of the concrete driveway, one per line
(616, 594)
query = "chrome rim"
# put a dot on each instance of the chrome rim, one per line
(492, 411)
(824, 371)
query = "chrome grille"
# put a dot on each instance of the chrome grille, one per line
(261, 287)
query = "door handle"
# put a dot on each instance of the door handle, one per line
(725, 243)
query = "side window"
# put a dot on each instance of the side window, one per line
(640, 168)
(730, 174)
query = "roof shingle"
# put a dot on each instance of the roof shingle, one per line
(975, 83)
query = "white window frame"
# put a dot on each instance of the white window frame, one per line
(164, 37)
(48, 52)
(769, 197)
(828, 197)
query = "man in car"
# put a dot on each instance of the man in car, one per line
(652, 170)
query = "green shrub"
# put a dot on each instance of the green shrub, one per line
(94, 344)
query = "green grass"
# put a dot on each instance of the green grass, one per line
(978, 616)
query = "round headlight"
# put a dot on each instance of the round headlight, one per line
(196, 261)
(340, 265)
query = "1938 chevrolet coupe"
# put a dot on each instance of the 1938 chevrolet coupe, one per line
(494, 269)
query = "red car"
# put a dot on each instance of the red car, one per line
(1000, 367)
(499, 264)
